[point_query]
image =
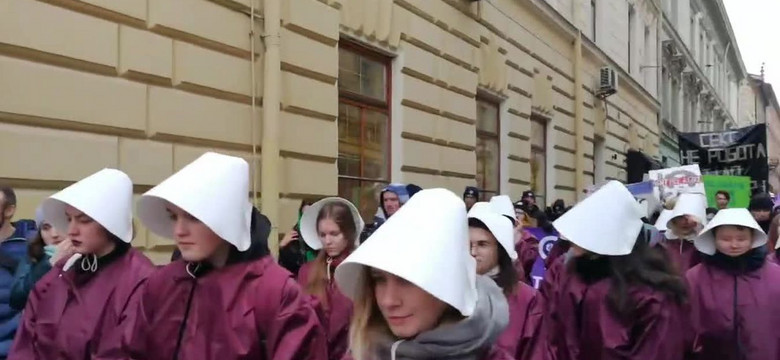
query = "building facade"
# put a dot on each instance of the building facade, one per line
(758, 105)
(335, 97)
(702, 72)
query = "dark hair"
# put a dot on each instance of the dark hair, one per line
(35, 246)
(340, 213)
(508, 277)
(739, 227)
(645, 265)
(9, 194)
(773, 233)
(724, 193)
(305, 203)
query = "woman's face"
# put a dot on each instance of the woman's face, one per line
(407, 309)
(733, 241)
(761, 215)
(484, 249)
(196, 241)
(333, 240)
(684, 225)
(50, 235)
(86, 234)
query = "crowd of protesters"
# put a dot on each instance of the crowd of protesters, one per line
(430, 275)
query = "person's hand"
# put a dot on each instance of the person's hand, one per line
(291, 236)
(64, 250)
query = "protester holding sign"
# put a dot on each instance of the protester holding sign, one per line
(491, 238)
(619, 299)
(688, 218)
(734, 291)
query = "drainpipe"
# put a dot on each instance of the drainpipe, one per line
(579, 136)
(272, 74)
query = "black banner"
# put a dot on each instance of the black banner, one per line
(737, 152)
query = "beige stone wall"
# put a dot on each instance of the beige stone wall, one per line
(148, 85)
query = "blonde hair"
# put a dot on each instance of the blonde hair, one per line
(368, 324)
(367, 321)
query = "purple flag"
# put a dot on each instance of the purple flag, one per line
(546, 242)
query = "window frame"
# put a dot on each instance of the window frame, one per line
(481, 134)
(366, 102)
(543, 150)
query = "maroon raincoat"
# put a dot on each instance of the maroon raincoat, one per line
(718, 297)
(521, 337)
(527, 248)
(586, 329)
(338, 314)
(81, 315)
(495, 353)
(247, 310)
(682, 253)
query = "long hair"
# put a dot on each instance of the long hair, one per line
(367, 321)
(507, 277)
(368, 325)
(773, 234)
(35, 247)
(648, 266)
(317, 282)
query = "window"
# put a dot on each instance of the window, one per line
(593, 20)
(363, 126)
(631, 20)
(539, 159)
(488, 148)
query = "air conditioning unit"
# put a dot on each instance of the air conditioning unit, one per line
(608, 82)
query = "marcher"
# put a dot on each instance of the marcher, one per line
(13, 248)
(491, 239)
(332, 226)
(761, 209)
(722, 199)
(619, 298)
(415, 288)
(688, 218)
(79, 309)
(226, 298)
(733, 291)
(43, 252)
(470, 196)
(293, 250)
(526, 245)
(391, 198)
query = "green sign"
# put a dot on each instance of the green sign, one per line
(737, 186)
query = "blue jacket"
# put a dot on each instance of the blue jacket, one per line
(12, 251)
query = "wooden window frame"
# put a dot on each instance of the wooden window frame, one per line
(369, 103)
(497, 137)
(543, 150)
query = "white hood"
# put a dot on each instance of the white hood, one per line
(705, 242)
(504, 206)
(663, 219)
(309, 221)
(426, 243)
(607, 222)
(499, 226)
(688, 204)
(214, 189)
(106, 196)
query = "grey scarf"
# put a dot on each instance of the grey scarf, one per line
(468, 339)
